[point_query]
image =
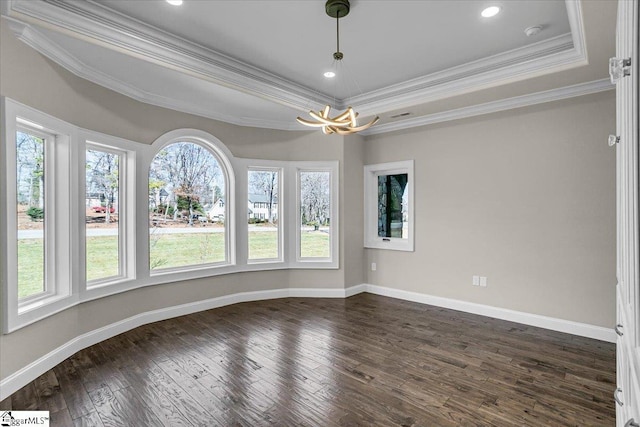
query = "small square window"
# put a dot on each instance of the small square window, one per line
(389, 206)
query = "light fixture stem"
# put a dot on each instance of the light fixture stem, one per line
(338, 31)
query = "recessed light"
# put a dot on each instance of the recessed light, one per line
(174, 2)
(490, 11)
(329, 74)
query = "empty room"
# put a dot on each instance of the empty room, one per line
(319, 213)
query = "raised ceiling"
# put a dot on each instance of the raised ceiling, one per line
(260, 63)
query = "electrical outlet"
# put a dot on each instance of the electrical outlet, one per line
(483, 281)
(374, 267)
(476, 281)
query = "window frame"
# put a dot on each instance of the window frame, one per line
(48, 231)
(223, 157)
(332, 261)
(126, 210)
(61, 288)
(277, 167)
(371, 238)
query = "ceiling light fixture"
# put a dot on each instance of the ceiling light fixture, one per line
(490, 11)
(344, 123)
(532, 31)
(174, 2)
(329, 74)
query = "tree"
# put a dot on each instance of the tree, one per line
(30, 169)
(190, 172)
(265, 182)
(315, 196)
(102, 177)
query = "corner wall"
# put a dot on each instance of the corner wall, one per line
(525, 198)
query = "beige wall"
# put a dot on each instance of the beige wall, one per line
(525, 198)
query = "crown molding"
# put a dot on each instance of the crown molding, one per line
(38, 41)
(535, 60)
(96, 24)
(99, 25)
(495, 106)
(552, 55)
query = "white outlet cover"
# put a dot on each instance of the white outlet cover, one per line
(476, 280)
(373, 266)
(483, 281)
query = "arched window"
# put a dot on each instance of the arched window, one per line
(189, 203)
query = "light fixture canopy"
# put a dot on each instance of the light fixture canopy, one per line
(174, 2)
(344, 123)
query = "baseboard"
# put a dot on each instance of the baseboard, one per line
(22, 377)
(554, 324)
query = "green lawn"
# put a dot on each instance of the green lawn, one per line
(314, 244)
(166, 250)
(263, 245)
(30, 267)
(102, 257)
(179, 250)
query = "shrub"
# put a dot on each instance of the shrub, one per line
(35, 213)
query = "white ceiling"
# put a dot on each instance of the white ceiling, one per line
(260, 63)
(384, 42)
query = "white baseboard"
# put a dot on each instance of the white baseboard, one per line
(22, 377)
(552, 323)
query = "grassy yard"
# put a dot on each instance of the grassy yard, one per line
(30, 267)
(314, 244)
(102, 257)
(167, 250)
(263, 245)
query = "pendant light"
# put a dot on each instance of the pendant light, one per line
(346, 122)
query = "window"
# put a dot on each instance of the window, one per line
(104, 217)
(187, 209)
(31, 220)
(263, 209)
(36, 214)
(80, 221)
(317, 214)
(389, 206)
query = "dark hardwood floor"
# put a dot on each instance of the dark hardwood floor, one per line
(367, 360)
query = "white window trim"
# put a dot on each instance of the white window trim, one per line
(223, 156)
(50, 168)
(61, 289)
(333, 260)
(126, 227)
(371, 238)
(272, 166)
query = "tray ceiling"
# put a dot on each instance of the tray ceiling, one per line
(260, 63)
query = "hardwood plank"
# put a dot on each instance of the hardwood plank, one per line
(92, 419)
(75, 395)
(152, 395)
(60, 418)
(132, 403)
(5, 405)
